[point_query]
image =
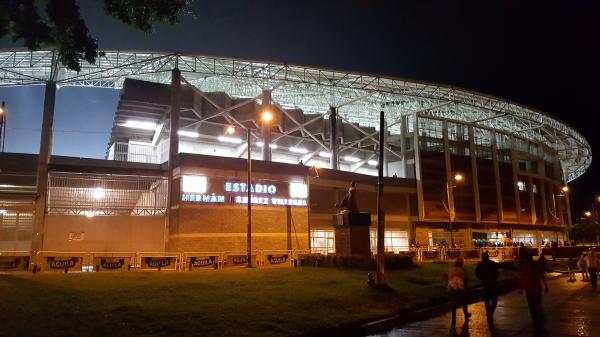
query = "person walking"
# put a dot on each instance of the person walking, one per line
(532, 279)
(582, 263)
(487, 272)
(456, 278)
(592, 265)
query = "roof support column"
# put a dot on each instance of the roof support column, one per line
(448, 166)
(334, 140)
(500, 210)
(37, 240)
(418, 175)
(515, 173)
(173, 141)
(266, 126)
(474, 174)
(403, 150)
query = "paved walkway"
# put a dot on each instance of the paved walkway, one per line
(571, 309)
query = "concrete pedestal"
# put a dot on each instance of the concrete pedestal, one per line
(352, 235)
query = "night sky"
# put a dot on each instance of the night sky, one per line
(542, 54)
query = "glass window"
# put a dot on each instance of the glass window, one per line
(322, 241)
(521, 185)
(394, 241)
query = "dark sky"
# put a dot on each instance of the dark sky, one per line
(543, 54)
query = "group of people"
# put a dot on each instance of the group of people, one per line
(532, 281)
(588, 264)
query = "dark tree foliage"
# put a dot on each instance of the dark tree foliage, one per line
(63, 29)
(584, 232)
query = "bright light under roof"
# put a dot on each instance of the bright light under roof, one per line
(233, 140)
(325, 154)
(190, 134)
(272, 146)
(98, 193)
(140, 125)
(352, 159)
(372, 162)
(298, 150)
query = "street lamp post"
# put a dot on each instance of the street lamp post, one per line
(563, 193)
(266, 117)
(249, 196)
(2, 126)
(450, 209)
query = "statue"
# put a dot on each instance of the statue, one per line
(349, 201)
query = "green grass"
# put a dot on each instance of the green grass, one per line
(255, 302)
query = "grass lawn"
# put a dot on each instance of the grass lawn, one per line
(255, 302)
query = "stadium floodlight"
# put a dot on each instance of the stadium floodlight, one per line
(139, 125)
(351, 159)
(98, 193)
(372, 162)
(298, 150)
(272, 146)
(232, 140)
(266, 116)
(191, 134)
(325, 154)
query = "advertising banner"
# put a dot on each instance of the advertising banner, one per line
(277, 260)
(201, 262)
(238, 260)
(62, 263)
(430, 254)
(14, 263)
(159, 262)
(453, 254)
(104, 263)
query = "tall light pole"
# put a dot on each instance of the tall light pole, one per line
(450, 209)
(563, 193)
(2, 126)
(380, 214)
(266, 117)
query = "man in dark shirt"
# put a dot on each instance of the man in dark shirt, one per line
(487, 272)
(532, 279)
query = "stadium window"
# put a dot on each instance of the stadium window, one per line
(322, 241)
(521, 185)
(534, 187)
(394, 241)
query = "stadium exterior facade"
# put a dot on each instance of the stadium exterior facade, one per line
(163, 191)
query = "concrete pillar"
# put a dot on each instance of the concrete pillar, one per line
(515, 172)
(448, 166)
(173, 140)
(418, 176)
(403, 149)
(497, 178)
(266, 126)
(474, 176)
(37, 240)
(531, 200)
(542, 192)
(333, 139)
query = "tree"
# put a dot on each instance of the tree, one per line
(63, 29)
(585, 232)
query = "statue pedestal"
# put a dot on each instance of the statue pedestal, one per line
(352, 234)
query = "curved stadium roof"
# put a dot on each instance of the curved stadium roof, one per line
(359, 97)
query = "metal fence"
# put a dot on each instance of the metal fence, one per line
(58, 261)
(106, 194)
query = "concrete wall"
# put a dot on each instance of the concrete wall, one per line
(209, 228)
(104, 233)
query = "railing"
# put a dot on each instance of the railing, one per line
(59, 261)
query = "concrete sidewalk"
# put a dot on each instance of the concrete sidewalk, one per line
(571, 309)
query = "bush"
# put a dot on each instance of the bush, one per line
(392, 261)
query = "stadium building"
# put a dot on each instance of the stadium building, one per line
(175, 174)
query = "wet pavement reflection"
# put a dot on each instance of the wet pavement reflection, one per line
(571, 309)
